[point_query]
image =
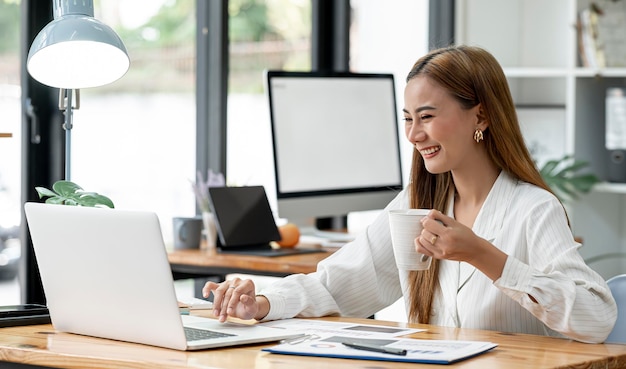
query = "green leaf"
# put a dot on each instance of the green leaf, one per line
(66, 188)
(55, 200)
(549, 166)
(569, 170)
(43, 192)
(93, 199)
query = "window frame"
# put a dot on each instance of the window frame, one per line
(43, 163)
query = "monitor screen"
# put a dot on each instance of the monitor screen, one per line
(336, 143)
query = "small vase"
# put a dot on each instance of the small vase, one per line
(210, 232)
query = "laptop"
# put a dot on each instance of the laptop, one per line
(105, 273)
(245, 223)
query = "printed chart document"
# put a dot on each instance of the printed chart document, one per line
(371, 342)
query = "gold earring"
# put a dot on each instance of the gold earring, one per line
(478, 135)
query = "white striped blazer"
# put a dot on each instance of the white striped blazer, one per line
(526, 222)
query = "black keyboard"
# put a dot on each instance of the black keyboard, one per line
(194, 334)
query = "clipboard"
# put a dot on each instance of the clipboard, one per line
(417, 351)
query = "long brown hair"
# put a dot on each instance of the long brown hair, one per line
(472, 76)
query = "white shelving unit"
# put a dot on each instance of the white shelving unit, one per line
(536, 42)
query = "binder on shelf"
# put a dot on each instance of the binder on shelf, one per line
(602, 34)
(591, 52)
(612, 31)
(615, 134)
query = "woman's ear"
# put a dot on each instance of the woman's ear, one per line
(481, 118)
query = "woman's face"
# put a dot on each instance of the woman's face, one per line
(438, 127)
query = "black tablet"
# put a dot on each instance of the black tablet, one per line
(245, 223)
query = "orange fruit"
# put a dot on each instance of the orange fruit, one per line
(289, 235)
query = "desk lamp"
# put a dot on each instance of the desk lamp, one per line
(75, 51)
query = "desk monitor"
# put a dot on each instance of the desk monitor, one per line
(336, 143)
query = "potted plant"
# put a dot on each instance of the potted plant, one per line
(564, 177)
(69, 193)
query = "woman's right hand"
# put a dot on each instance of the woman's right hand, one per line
(236, 298)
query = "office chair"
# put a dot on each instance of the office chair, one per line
(617, 285)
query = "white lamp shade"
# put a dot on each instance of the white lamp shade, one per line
(77, 51)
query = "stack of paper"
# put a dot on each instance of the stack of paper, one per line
(372, 342)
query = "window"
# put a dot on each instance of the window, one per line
(147, 119)
(134, 140)
(10, 151)
(263, 35)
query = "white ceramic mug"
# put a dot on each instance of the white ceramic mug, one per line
(405, 227)
(187, 232)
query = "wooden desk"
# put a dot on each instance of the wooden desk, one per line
(40, 345)
(207, 263)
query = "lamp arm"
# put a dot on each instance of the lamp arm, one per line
(65, 103)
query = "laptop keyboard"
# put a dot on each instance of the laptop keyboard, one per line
(194, 334)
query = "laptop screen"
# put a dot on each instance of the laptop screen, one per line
(243, 216)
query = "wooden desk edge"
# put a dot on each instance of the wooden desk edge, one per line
(41, 345)
(204, 263)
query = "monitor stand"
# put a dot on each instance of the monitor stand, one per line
(330, 231)
(337, 224)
